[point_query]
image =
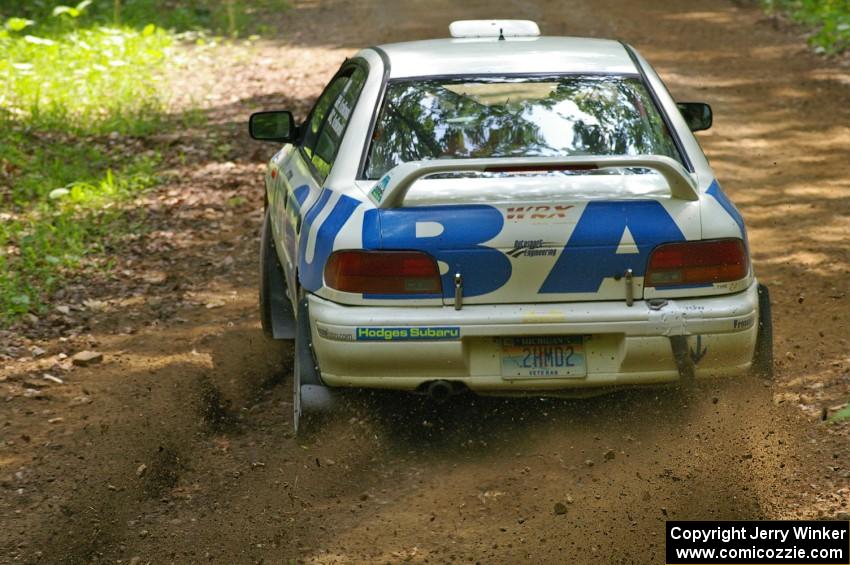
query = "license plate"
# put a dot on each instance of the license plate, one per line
(539, 357)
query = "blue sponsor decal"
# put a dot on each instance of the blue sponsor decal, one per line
(715, 191)
(312, 273)
(424, 333)
(590, 255)
(301, 194)
(458, 243)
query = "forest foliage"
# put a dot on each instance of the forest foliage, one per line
(74, 79)
(828, 19)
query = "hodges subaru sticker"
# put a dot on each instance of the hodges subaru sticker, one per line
(427, 333)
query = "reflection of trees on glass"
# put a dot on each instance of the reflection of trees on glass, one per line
(329, 118)
(553, 116)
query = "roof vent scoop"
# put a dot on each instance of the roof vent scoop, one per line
(494, 28)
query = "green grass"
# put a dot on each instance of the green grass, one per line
(220, 17)
(829, 20)
(94, 80)
(66, 204)
(70, 90)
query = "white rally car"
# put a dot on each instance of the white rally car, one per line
(507, 214)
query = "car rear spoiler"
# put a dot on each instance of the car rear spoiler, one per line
(390, 190)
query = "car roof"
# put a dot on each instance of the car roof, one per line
(513, 55)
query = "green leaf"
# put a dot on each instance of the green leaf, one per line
(83, 5)
(842, 414)
(38, 40)
(58, 193)
(59, 10)
(149, 30)
(17, 24)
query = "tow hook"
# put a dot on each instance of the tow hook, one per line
(630, 287)
(458, 291)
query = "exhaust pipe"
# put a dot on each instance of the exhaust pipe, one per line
(440, 390)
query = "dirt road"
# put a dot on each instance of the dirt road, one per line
(178, 446)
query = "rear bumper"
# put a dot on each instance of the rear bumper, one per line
(404, 347)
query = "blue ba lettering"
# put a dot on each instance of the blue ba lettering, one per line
(590, 255)
(311, 273)
(484, 269)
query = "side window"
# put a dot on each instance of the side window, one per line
(329, 118)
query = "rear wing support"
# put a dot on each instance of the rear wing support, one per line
(390, 191)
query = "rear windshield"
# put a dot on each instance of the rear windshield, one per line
(516, 117)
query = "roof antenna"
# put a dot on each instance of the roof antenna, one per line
(501, 35)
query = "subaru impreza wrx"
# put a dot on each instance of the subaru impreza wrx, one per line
(502, 213)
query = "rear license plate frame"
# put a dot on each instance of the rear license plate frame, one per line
(543, 357)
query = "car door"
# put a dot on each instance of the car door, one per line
(305, 167)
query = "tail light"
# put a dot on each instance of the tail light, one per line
(383, 272)
(697, 262)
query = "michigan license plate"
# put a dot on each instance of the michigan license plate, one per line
(543, 357)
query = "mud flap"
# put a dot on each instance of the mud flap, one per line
(310, 395)
(684, 363)
(763, 355)
(317, 398)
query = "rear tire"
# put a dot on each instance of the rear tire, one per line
(276, 314)
(763, 355)
(268, 264)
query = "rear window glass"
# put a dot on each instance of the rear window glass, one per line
(516, 117)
